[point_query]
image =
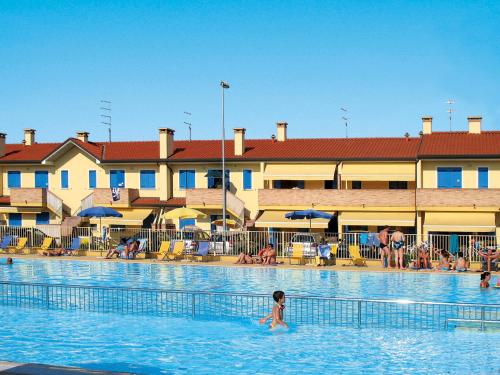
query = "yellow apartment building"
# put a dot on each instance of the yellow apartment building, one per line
(439, 182)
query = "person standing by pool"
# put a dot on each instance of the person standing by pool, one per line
(398, 244)
(277, 312)
(485, 278)
(385, 254)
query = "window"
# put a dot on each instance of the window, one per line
(482, 178)
(288, 184)
(330, 184)
(356, 184)
(148, 180)
(41, 179)
(398, 185)
(116, 178)
(215, 179)
(64, 179)
(92, 179)
(186, 179)
(449, 177)
(247, 179)
(186, 222)
(43, 218)
(14, 179)
(15, 220)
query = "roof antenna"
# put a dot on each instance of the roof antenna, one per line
(188, 123)
(106, 116)
(346, 119)
(450, 110)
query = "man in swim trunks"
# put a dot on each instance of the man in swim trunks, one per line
(385, 253)
(398, 245)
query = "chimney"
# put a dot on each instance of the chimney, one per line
(166, 142)
(239, 141)
(474, 124)
(3, 138)
(29, 136)
(281, 130)
(427, 125)
(82, 136)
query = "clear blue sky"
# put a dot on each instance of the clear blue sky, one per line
(388, 62)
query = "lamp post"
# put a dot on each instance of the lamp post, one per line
(224, 85)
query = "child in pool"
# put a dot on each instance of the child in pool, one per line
(485, 278)
(277, 312)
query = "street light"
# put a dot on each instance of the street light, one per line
(224, 85)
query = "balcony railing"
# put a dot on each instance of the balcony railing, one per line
(104, 197)
(471, 198)
(36, 197)
(212, 198)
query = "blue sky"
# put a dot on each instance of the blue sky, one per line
(388, 62)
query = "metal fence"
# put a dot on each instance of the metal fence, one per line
(360, 313)
(234, 242)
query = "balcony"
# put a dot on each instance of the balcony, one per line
(104, 197)
(325, 199)
(36, 197)
(458, 199)
(212, 199)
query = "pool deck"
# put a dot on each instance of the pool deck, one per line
(373, 266)
(15, 368)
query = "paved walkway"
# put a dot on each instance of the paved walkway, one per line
(36, 369)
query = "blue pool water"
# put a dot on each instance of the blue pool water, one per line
(435, 287)
(173, 345)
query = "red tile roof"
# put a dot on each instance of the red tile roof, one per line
(460, 144)
(4, 199)
(22, 153)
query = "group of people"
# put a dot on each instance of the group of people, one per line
(125, 249)
(266, 255)
(398, 246)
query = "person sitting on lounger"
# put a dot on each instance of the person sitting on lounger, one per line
(423, 256)
(244, 258)
(444, 261)
(269, 256)
(460, 264)
(54, 252)
(131, 250)
(117, 250)
(259, 258)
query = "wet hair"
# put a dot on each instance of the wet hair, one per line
(460, 254)
(9, 260)
(483, 275)
(270, 245)
(278, 295)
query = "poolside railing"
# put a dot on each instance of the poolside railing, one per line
(360, 313)
(252, 241)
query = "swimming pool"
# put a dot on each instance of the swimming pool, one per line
(435, 287)
(149, 344)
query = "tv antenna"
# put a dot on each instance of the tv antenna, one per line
(450, 110)
(188, 123)
(346, 119)
(106, 116)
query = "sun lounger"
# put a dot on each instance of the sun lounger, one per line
(47, 242)
(356, 258)
(21, 243)
(297, 253)
(75, 246)
(327, 255)
(5, 242)
(177, 251)
(202, 252)
(164, 249)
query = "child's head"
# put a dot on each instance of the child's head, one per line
(279, 296)
(485, 276)
(460, 254)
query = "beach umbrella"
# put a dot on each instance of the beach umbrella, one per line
(184, 213)
(99, 212)
(230, 223)
(308, 214)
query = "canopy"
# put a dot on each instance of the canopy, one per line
(378, 171)
(99, 212)
(299, 172)
(133, 217)
(184, 213)
(308, 214)
(230, 223)
(276, 219)
(393, 219)
(460, 222)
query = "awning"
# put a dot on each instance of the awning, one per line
(378, 171)
(394, 219)
(133, 218)
(460, 222)
(276, 219)
(299, 172)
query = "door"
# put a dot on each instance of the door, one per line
(449, 177)
(42, 179)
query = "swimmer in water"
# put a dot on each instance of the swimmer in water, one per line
(277, 312)
(485, 278)
(9, 260)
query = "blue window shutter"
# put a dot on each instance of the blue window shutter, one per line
(187, 179)
(247, 179)
(92, 180)
(449, 178)
(41, 179)
(211, 179)
(42, 218)
(182, 179)
(191, 179)
(117, 178)
(457, 178)
(64, 180)
(15, 220)
(14, 179)
(148, 179)
(185, 222)
(482, 176)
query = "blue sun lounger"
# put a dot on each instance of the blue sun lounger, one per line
(5, 242)
(75, 246)
(202, 251)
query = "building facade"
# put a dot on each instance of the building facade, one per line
(440, 182)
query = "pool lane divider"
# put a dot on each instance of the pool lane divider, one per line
(303, 310)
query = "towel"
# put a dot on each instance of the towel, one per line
(453, 248)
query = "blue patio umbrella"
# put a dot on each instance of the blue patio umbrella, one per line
(308, 214)
(99, 212)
